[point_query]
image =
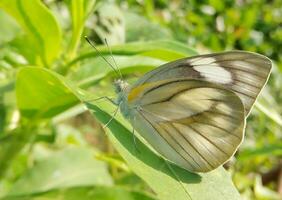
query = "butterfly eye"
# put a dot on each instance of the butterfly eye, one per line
(120, 86)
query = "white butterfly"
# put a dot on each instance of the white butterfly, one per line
(193, 110)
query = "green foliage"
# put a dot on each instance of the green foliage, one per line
(43, 35)
(52, 145)
(80, 10)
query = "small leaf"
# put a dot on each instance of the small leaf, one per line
(41, 93)
(79, 10)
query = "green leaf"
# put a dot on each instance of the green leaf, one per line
(41, 93)
(177, 49)
(166, 179)
(87, 193)
(41, 27)
(68, 168)
(165, 50)
(79, 10)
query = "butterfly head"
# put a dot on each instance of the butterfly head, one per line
(120, 86)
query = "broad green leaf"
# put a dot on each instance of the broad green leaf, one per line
(68, 168)
(79, 10)
(166, 179)
(86, 193)
(41, 27)
(41, 93)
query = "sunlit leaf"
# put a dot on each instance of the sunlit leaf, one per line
(41, 93)
(164, 49)
(80, 9)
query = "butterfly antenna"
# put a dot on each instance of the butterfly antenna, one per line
(105, 98)
(99, 53)
(106, 42)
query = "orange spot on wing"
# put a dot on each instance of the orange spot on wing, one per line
(137, 91)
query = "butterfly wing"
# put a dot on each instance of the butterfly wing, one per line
(242, 72)
(195, 124)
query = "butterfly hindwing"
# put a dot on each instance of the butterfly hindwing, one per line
(242, 72)
(193, 110)
(201, 123)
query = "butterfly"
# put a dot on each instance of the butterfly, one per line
(193, 111)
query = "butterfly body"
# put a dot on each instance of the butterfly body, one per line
(192, 111)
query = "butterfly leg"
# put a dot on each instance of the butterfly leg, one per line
(134, 140)
(134, 136)
(114, 115)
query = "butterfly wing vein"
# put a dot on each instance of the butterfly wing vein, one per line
(202, 123)
(194, 109)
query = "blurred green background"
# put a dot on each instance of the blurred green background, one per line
(52, 147)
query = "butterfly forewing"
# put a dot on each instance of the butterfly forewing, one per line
(201, 123)
(242, 72)
(193, 110)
